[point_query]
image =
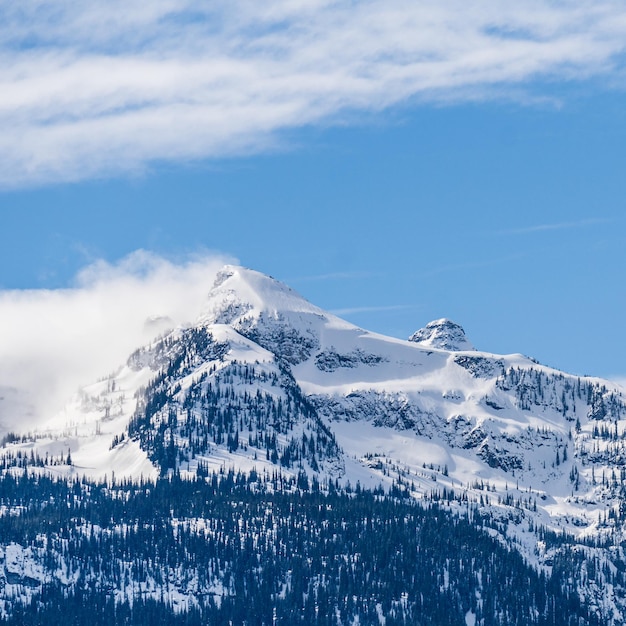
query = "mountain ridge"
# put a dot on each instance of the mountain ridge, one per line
(265, 381)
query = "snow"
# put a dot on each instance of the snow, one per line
(443, 333)
(432, 411)
(20, 567)
(359, 368)
(239, 293)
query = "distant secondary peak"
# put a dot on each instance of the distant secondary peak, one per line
(444, 334)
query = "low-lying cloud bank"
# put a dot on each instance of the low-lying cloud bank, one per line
(53, 341)
(98, 88)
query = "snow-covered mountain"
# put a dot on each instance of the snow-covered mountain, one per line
(444, 334)
(266, 381)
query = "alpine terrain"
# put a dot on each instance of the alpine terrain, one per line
(272, 463)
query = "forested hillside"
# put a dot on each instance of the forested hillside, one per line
(258, 551)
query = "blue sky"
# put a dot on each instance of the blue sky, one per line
(394, 162)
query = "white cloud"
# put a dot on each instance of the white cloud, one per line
(373, 309)
(53, 341)
(97, 88)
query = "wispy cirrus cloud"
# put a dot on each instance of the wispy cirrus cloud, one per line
(99, 88)
(558, 226)
(336, 276)
(373, 309)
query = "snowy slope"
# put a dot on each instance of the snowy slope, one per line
(266, 381)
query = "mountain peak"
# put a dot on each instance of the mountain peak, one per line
(268, 312)
(443, 333)
(239, 291)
